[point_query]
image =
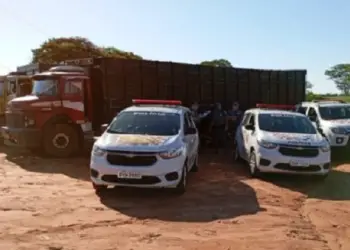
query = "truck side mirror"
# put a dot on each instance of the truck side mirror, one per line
(104, 127)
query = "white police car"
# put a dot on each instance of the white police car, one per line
(330, 118)
(282, 142)
(151, 144)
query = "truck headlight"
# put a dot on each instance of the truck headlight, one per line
(266, 144)
(97, 151)
(339, 131)
(173, 153)
(29, 121)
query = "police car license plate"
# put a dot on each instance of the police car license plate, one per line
(129, 175)
(295, 163)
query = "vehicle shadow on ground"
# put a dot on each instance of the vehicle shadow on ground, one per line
(335, 187)
(77, 168)
(215, 192)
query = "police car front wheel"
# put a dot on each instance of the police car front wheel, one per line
(181, 187)
(254, 171)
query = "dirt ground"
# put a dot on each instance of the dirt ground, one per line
(49, 204)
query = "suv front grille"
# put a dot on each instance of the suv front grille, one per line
(299, 151)
(14, 120)
(128, 158)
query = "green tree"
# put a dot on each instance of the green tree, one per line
(217, 63)
(340, 74)
(56, 50)
(114, 52)
(309, 86)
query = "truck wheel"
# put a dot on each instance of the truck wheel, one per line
(61, 140)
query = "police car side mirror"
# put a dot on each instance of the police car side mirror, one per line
(104, 127)
(190, 131)
(249, 127)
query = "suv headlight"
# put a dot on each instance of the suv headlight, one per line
(97, 151)
(339, 131)
(173, 153)
(266, 144)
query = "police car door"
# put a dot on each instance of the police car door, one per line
(248, 135)
(190, 133)
(242, 136)
(312, 115)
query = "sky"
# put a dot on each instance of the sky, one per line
(274, 34)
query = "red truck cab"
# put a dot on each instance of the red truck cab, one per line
(55, 116)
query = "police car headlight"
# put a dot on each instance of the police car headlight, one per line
(339, 131)
(172, 153)
(325, 148)
(97, 151)
(266, 144)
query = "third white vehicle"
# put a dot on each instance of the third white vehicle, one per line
(331, 119)
(281, 141)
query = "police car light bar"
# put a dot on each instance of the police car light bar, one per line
(274, 106)
(159, 102)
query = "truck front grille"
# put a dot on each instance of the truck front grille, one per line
(14, 120)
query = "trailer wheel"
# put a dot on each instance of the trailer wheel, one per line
(61, 140)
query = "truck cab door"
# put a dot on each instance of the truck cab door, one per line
(73, 100)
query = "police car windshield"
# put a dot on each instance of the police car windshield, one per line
(335, 112)
(286, 123)
(146, 123)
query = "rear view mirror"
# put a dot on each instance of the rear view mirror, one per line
(104, 127)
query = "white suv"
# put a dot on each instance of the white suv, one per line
(281, 142)
(146, 145)
(331, 119)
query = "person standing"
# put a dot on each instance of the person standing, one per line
(218, 127)
(234, 117)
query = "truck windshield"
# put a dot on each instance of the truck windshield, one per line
(44, 87)
(335, 112)
(146, 123)
(286, 123)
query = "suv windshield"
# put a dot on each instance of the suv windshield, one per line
(286, 123)
(335, 112)
(146, 123)
(44, 87)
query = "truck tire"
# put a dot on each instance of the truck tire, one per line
(61, 140)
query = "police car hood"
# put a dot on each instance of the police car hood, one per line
(293, 138)
(136, 142)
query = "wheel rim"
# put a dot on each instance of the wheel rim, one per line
(252, 164)
(60, 141)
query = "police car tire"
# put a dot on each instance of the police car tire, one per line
(181, 187)
(70, 132)
(254, 172)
